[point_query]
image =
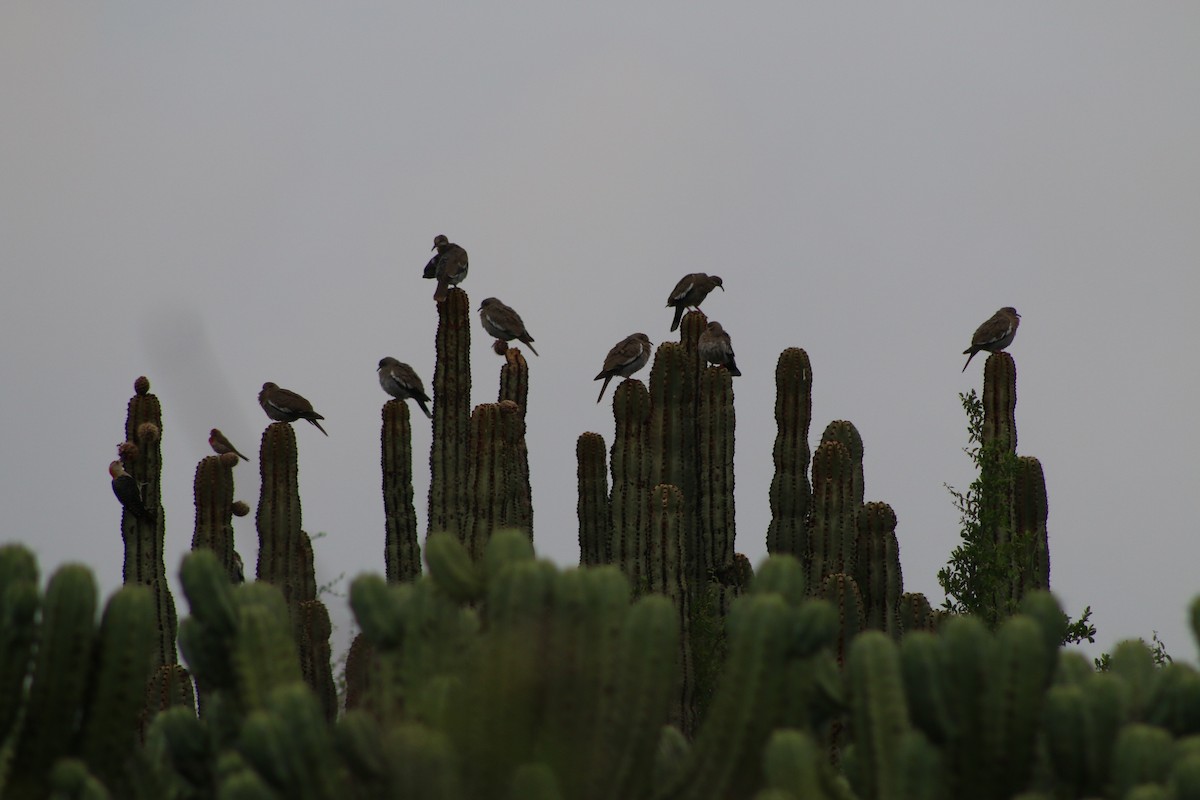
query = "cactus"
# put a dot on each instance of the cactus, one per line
(282, 543)
(1030, 511)
(841, 430)
(514, 387)
(672, 435)
(497, 484)
(631, 480)
(834, 513)
(402, 551)
(791, 494)
(19, 604)
(665, 573)
(715, 424)
(593, 509)
(448, 464)
(844, 594)
(1000, 402)
(877, 568)
(880, 716)
(213, 491)
(915, 613)
(144, 538)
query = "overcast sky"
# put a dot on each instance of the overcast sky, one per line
(221, 194)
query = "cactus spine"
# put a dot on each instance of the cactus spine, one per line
(593, 509)
(213, 492)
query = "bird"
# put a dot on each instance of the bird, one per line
(399, 380)
(715, 348)
(502, 322)
(221, 445)
(449, 265)
(627, 357)
(995, 334)
(127, 490)
(690, 293)
(284, 406)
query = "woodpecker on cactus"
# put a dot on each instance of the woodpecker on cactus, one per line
(221, 445)
(504, 323)
(401, 382)
(127, 490)
(995, 334)
(627, 357)
(282, 405)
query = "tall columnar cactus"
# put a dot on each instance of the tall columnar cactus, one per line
(285, 556)
(497, 487)
(915, 613)
(1000, 402)
(593, 509)
(448, 454)
(82, 699)
(514, 386)
(402, 550)
(843, 431)
(631, 480)
(144, 538)
(19, 603)
(791, 494)
(879, 717)
(834, 513)
(1031, 510)
(715, 521)
(665, 571)
(842, 591)
(673, 423)
(213, 491)
(877, 568)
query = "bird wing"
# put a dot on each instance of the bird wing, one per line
(431, 267)
(994, 330)
(289, 402)
(623, 354)
(682, 288)
(505, 319)
(452, 263)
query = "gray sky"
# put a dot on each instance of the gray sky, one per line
(220, 194)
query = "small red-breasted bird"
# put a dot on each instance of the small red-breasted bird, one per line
(128, 492)
(449, 267)
(690, 293)
(627, 357)
(715, 348)
(221, 445)
(401, 382)
(282, 405)
(502, 322)
(995, 334)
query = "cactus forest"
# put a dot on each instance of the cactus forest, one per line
(663, 667)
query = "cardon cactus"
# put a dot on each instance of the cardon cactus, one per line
(834, 513)
(791, 493)
(595, 522)
(448, 454)
(877, 568)
(402, 550)
(213, 491)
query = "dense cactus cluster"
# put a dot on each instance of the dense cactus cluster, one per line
(663, 668)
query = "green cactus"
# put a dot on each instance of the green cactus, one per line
(497, 485)
(665, 573)
(514, 387)
(60, 679)
(19, 604)
(448, 454)
(844, 594)
(282, 544)
(593, 509)
(1142, 754)
(402, 550)
(1000, 402)
(841, 430)
(1030, 512)
(915, 613)
(631, 480)
(213, 491)
(833, 527)
(144, 538)
(877, 568)
(791, 493)
(715, 424)
(879, 716)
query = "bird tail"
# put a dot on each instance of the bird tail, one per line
(424, 407)
(439, 294)
(733, 367)
(314, 422)
(529, 343)
(607, 378)
(972, 355)
(678, 316)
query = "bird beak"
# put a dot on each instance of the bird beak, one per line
(722, 288)
(433, 248)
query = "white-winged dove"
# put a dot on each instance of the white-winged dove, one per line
(449, 266)
(627, 357)
(221, 445)
(690, 293)
(995, 334)
(282, 405)
(715, 348)
(401, 382)
(128, 492)
(502, 322)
